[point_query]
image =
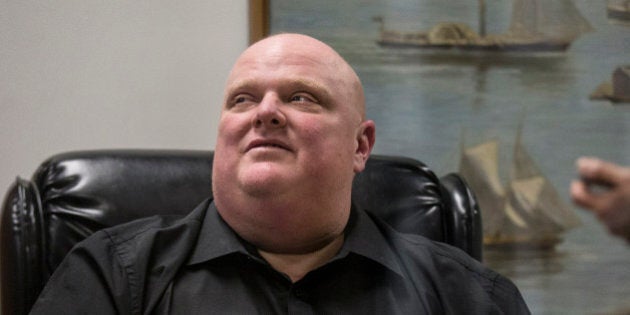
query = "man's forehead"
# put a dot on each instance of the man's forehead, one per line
(291, 70)
(276, 59)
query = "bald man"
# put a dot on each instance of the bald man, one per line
(281, 235)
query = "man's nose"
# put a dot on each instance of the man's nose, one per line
(269, 113)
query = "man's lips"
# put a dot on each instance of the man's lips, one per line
(267, 143)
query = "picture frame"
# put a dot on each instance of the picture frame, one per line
(258, 19)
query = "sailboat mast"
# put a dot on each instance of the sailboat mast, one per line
(482, 18)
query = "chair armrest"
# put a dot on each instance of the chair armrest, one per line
(21, 234)
(465, 219)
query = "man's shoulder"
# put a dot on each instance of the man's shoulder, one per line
(431, 248)
(140, 242)
(417, 246)
(136, 260)
(152, 226)
(452, 271)
(417, 250)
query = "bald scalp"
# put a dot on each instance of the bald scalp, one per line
(304, 46)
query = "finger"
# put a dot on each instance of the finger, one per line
(584, 197)
(581, 195)
(599, 170)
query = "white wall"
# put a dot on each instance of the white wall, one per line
(86, 74)
(89, 74)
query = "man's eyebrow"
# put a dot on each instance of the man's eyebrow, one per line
(310, 86)
(240, 85)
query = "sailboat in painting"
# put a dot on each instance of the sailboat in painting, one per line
(525, 213)
(536, 25)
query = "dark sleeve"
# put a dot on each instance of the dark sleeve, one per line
(90, 280)
(507, 297)
(466, 286)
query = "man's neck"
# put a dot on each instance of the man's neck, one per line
(296, 266)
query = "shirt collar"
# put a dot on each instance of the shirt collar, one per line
(216, 239)
(365, 238)
(362, 237)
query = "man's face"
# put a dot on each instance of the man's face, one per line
(290, 117)
(291, 137)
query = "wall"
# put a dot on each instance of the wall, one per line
(79, 74)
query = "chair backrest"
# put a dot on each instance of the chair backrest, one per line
(74, 194)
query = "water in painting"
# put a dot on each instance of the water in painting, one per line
(427, 102)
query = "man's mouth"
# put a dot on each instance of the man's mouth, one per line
(267, 144)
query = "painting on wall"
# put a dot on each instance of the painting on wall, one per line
(508, 93)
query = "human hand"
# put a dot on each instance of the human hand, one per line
(611, 204)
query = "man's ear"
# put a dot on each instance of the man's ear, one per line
(366, 136)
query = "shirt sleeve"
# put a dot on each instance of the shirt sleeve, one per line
(507, 297)
(90, 280)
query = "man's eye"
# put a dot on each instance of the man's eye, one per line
(240, 101)
(241, 98)
(302, 98)
(298, 98)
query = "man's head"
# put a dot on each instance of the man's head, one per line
(292, 134)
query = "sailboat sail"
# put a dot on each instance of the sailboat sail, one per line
(527, 211)
(524, 168)
(480, 167)
(557, 20)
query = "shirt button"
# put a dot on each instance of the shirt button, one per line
(300, 294)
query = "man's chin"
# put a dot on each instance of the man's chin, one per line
(263, 179)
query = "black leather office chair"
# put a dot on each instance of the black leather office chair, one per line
(74, 194)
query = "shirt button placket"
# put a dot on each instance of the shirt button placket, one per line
(298, 302)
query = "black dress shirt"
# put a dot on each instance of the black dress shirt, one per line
(198, 265)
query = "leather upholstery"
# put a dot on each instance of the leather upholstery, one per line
(74, 194)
